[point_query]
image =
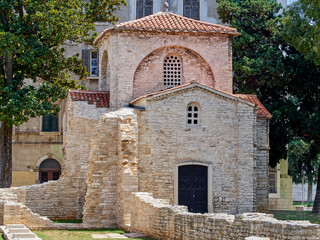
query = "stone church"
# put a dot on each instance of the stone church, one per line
(164, 121)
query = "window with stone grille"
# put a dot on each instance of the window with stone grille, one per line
(272, 180)
(193, 114)
(172, 73)
(191, 9)
(144, 8)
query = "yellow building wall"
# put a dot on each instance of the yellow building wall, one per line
(22, 178)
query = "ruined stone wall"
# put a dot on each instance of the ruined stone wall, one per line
(127, 50)
(159, 220)
(64, 199)
(261, 156)
(224, 139)
(113, 173)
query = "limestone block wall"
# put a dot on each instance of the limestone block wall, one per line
(261, 156)
(113, 173)
(159, 220)
(126, 50)
(224, 140)
(64, 199)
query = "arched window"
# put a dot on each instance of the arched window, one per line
(193, 114)
(172, 73)
(49, 169)
(191, 9)
(144, 8)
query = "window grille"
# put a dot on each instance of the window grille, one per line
(172, 71)
(191, 9)
(193, 114)
(144, 8)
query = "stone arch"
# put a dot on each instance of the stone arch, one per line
(41, 160)
(104, 83)
(189, 163)
(148, 76)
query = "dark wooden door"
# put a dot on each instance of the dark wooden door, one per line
(193, 188)
(46, 175)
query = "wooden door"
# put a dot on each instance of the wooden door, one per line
(193, 188)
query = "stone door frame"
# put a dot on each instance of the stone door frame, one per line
(176, 180)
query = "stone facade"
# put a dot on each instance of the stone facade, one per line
(111, 151)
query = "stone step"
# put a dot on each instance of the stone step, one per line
(15, 226)
(23, 235)
(19, 230)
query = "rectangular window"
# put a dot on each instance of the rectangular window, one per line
(50, 123)
(90, 59)
(191, 9)
(144, 8)
(94, 63)
(272, 180)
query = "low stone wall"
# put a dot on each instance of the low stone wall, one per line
(159, 220)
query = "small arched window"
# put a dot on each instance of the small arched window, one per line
(193, 114)
(172, 73)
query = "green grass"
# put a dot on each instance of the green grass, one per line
(297, 216)
(304, 204)
(1, 238)
(83, 234)
(68, 221)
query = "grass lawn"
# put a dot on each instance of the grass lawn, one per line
(297, 215)
(77, 234)
(304, 204)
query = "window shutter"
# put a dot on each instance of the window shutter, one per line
(139, 13)
(148, 7)
(86, 59)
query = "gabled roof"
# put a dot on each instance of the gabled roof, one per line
(262, 112)
(252, 100)
(169, 22)
(99, 98)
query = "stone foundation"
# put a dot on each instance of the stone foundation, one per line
(159, 220)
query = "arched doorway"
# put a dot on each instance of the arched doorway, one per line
(49, 169)
(193, 187)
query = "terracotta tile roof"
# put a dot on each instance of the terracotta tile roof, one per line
(169, 22)
(99, 98)
(262, 112)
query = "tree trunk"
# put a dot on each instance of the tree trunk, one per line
(316, 205)
(310, 183)
(6, 156)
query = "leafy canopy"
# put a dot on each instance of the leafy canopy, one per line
(32, 36)
(302, 28)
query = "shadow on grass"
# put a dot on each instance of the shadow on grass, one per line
(297, 216)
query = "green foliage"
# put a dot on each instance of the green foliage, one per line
(303, 167)
(32, 36)
(260, 65)
(302, 28)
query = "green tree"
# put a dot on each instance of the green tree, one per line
(302, 167)
(32, 35)
(259, 65)
(302, 28)
(284, 80)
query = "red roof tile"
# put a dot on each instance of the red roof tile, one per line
(99, 98)
(169, 22)
(262, 112)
